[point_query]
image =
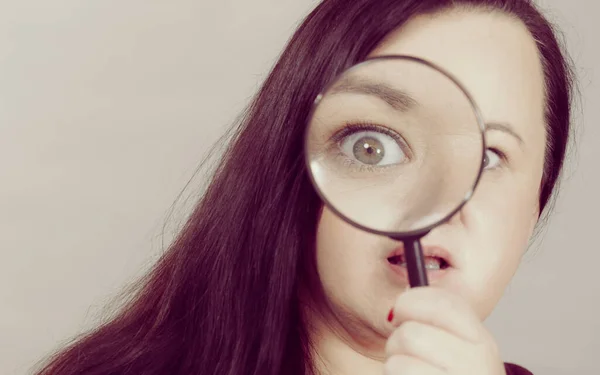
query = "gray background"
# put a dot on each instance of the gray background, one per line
(107, 107)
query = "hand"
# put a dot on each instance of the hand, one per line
(437, 333)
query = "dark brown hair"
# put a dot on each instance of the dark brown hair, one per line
(224, 299)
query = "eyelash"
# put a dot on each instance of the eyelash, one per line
(501, 155)
(355, 127)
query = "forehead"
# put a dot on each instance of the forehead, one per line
(492, 54)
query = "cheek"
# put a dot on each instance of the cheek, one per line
(338, 245)
(499, 221)
(503, 212)
(345, 256)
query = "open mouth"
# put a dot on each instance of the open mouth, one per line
(433, 263)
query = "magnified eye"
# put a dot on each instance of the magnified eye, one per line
(492, 159)
(373, 148)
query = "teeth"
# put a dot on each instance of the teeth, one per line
(431, 263)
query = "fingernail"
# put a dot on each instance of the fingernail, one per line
(391, 315)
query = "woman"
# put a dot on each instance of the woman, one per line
(264, 279)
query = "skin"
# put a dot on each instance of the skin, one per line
(500, 66)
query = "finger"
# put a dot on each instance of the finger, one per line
(427, 343)
(405, 365)
(440, 308)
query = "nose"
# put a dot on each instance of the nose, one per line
(457, 218)
(426, 221)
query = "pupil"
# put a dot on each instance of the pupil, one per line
(368, 150)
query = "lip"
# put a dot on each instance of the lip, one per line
(432, 251)
(428, 251)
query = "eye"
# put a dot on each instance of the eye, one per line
(492, 159)
(372, 148)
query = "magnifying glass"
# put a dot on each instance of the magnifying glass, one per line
(395, 146)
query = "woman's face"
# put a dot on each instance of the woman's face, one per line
(496, 59)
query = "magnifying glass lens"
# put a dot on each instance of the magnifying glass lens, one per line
(394, 146)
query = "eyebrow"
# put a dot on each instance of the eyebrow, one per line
(402, 101)
(396, 98)
(505, 128)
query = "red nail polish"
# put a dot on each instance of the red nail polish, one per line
(391, 315)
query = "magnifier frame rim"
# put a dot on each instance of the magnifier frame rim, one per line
(417, 233)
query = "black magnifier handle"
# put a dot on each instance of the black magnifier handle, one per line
(415, 262)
